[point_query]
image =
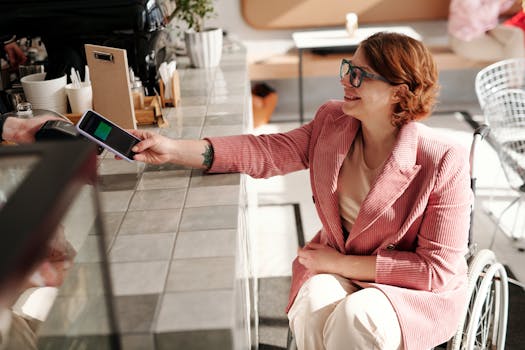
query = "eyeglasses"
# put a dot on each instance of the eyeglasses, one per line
(357, 74)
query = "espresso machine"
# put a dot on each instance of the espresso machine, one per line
(64, 26)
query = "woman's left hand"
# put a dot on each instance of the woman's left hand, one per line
(319, 258)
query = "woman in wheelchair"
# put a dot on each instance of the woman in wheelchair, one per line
(387, 270)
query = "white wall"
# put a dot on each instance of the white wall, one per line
(318, 90)
(230, 19)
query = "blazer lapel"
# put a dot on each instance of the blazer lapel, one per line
(399, 170)
(336, 139)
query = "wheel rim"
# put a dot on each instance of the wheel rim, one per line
(482, 330)
(485, 327)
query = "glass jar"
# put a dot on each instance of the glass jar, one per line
(25, 110)
(137, 92)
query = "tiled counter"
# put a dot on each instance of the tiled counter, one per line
(178, 239)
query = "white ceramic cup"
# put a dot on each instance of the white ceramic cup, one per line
(80, 99)
(45, 94)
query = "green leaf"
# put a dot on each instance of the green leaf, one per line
(194, 12)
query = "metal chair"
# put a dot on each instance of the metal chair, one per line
(506, 74)
(505, 113)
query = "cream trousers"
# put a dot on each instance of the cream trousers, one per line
(497, 44)
(331, 313)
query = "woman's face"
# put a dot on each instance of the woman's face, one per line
(373, 100)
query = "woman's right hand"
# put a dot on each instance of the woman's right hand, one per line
(154, 148)
(158, 149)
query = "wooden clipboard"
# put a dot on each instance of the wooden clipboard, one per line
(109, 74)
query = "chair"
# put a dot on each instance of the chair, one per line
(506, 74)
(505, 113)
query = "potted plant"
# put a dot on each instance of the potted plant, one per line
(203, 45)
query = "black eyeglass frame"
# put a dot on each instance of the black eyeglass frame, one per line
(364, 73)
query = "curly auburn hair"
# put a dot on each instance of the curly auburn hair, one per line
(404, 60)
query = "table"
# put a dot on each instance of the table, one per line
(337, 39)
(179, 246)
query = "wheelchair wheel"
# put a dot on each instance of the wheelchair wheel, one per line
(484, 326)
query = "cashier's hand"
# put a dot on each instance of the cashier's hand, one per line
(154, 148)
(60, 248)
(20, 130)
(52, 270)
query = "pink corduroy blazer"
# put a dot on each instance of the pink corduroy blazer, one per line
(415, 218)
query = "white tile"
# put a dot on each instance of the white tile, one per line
(142, 247)
(164, 179)
(212, 195)
(196, 310)
(168, 198)
(115, 200)
(203, 244)
(136, 278)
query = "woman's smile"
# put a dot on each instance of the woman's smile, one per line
(351, 97)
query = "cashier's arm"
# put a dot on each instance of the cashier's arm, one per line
(20, 130)
(158, 149)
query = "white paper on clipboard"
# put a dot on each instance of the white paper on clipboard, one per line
(109, 74)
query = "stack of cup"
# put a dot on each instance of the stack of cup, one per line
(45, 94)
(80, 97)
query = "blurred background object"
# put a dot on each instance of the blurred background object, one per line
(264, 100)
(53, 34)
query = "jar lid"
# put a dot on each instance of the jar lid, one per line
(24, 109)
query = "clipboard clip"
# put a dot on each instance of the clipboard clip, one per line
(103, 56)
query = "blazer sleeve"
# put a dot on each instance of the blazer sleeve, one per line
(262, 156)
(439, 256)
(267, 155)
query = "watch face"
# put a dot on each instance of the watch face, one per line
(13, 170)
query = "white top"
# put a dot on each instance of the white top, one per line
(355, 180)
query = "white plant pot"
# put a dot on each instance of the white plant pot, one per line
(204, 48)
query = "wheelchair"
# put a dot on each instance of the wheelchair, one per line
(484, 322)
